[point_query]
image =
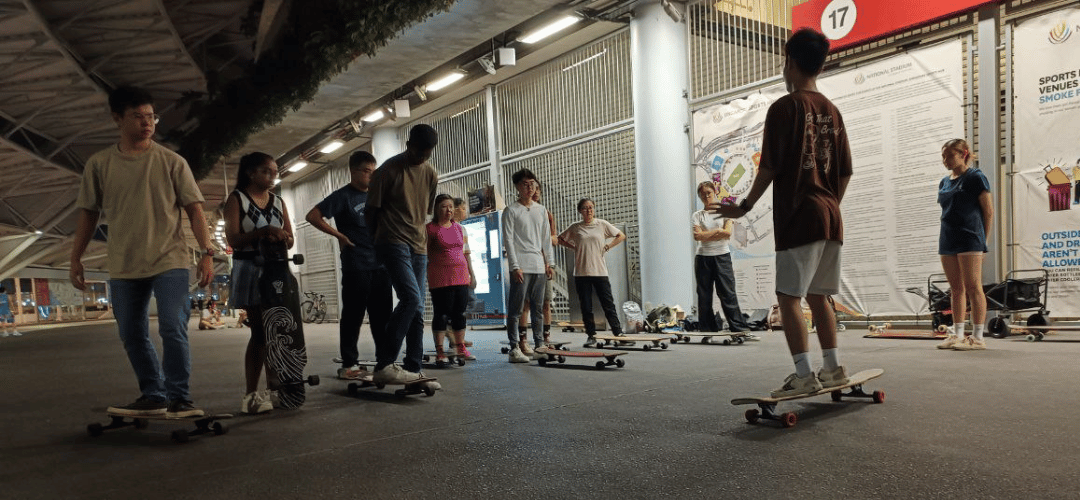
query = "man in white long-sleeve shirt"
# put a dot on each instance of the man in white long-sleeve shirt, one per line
(527, 242)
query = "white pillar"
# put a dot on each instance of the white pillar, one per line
(385, 143)
(662, 152)
(989, 88)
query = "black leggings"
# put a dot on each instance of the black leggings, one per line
(449, 303)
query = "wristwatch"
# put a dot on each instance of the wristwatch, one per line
(208, 252)
(745, 206)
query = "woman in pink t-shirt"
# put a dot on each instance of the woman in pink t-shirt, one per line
(450, 276)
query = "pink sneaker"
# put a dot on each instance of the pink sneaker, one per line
(464, 353)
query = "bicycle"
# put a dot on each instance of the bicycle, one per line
(313, 310)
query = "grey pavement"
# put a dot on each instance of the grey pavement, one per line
(999, 423)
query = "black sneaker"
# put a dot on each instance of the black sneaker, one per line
(590, 342)
(142, 407)
(182, 409)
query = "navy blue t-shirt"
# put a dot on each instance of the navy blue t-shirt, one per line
(346, 207)
(962, 227)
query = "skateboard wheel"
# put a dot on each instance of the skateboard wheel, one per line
(401, 393)
(740, 340)
(942, 329)
(837, 396)
(219, 429)
(620, 363)
(562, 359)
(727, 342)
(140, 423)
(601, 364)
(751, 416)
(298, 259)
(788, 419)
(428, 391)
(1031, 338)
(646, 347)
(313, 380)
(379, 386)
(879, 396)
(505, 350)
(94, 430)
(440, 364)
(704, 340)
(542, 361)
(353, 387)
(180, 436)
(663, 345)
(460, 361)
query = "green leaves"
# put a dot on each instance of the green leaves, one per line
(321, 38)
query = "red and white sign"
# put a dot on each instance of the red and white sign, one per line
(851, 22)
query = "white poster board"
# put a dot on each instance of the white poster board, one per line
(1046, 217)
(898, 112)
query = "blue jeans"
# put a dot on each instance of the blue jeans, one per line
(533, 289)
(131, 306)
(408, 276)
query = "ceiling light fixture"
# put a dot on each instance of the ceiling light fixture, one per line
(672, 11)
(550, 29)
(277, 181)
(445, 81)
(330, 148)
(487, 64)
(298, 166)
(374, 116)
(421, 92)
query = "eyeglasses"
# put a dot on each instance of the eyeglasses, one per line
(152, 117)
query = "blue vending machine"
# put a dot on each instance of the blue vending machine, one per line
(488, 264)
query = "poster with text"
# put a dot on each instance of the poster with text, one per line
(898, 112)
(1046, 184)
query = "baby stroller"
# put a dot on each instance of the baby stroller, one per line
(1023, 290)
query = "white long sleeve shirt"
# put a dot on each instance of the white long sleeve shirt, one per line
(527, 238)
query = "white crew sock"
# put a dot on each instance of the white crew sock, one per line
(978, 333)
(958, 328)
(831, 358)
(802, 364)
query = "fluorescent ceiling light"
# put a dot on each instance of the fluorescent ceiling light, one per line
(374, 116)
(445, 81)
(221, 222)
(277, 181)
(550, 29)
(333, 146)
(300, 164)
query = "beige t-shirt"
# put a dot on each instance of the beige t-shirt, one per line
(590, 239)
(142, 196)
(404, 195)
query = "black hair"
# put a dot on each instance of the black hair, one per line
(123, 98)
(808, 49)
(359, 158)
(458, 202)
(582, 202)
(523, 174)
(423, 136)
(249, 162)
(441, 198)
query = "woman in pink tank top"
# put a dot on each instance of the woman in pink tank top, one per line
(450, 276)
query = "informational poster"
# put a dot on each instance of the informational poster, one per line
(1046, 184)
(898, 112)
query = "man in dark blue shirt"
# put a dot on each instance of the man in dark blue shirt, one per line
(365, 286)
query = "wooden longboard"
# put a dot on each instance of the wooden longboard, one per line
(554, 355)
(286, 353)
(706, 337)
(506, 343)
(417, 386)
(650, 341)
(452, 358)
(767, 406)
(204, 424)
(1036, 332)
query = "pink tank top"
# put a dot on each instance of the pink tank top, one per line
(446, 256)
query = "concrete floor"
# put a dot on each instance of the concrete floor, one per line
(993, 424)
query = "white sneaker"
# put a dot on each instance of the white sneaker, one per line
(516, 356)
(254, 403)
(388, 374)
(796, 386)
(525, 348)
(5, 334)
(970, 344)
(949, 342)
(833, 378)
(537, 355)
(16, 334)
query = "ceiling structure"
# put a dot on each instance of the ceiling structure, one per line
(59, 59)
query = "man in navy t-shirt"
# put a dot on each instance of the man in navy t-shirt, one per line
(365, 286)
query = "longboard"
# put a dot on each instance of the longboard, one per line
(505, 349)
(205, 424)
(1037, 332)
(553, 355)
(767, 406)
(452, 358)
(286, 353)
(707, 337)
(417, 386)
(650, 341)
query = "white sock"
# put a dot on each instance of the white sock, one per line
(802, 364)
(978, 333)
(958, 328)
(831, 358)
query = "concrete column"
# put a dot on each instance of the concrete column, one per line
(384, 144)
(662, 152)
(994, 264)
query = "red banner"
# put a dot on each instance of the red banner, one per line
(851, 22)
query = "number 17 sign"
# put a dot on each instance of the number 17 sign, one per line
(851, 22)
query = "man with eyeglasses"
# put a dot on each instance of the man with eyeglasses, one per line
(141, 188)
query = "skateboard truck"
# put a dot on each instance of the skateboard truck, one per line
(207, 424)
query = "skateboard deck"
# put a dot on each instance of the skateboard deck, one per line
(767, 406)
(286, 353)
(418, 386)
(1037, 332)
(559, 355)
(505, 349)
(205, 424)
(650, 341)
(452, 358)
(707, 337)
(571, 326)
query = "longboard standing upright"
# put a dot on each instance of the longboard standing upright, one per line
(767, 406)
(286, 353)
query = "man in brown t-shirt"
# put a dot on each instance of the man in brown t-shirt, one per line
(806, 157)
(400, 197)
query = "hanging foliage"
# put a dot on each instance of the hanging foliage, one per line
(319, 40)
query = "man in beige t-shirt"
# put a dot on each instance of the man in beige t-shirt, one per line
(141, 188)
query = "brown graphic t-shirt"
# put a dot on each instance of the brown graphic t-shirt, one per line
(405, 195)
(805, 145)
